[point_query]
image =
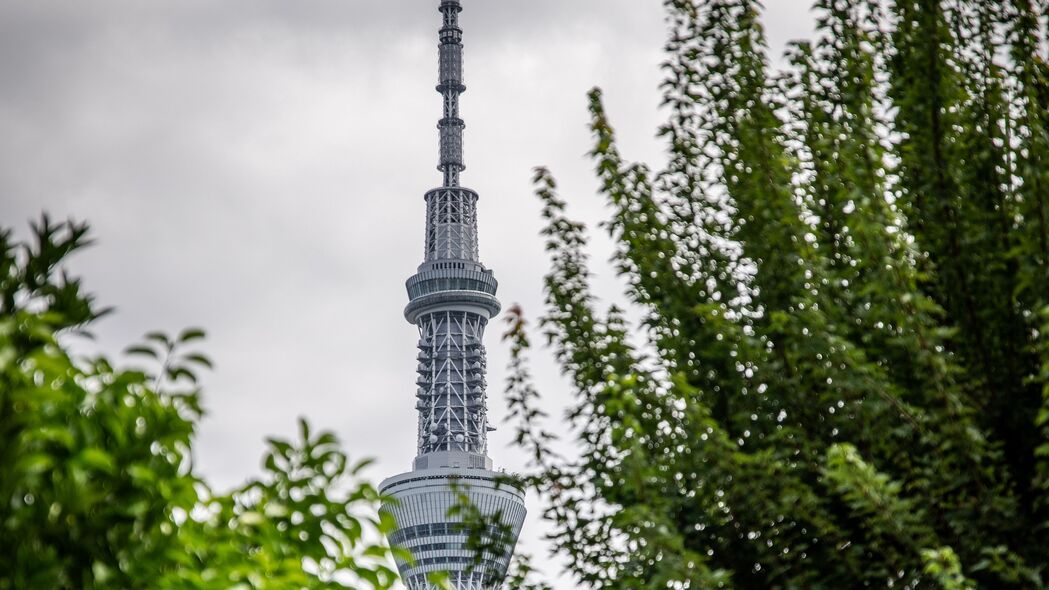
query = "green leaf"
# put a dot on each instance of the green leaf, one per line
(142, 473)
(199, 359)
(361, 466)
(55, 434)
(7, 356)
(176, 373)
(141, 350)
(36, 463)
(191, 334)
(160, 338)
(97, 459)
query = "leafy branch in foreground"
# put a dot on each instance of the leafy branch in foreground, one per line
(97, 488)
(840, 271)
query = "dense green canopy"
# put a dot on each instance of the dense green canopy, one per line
(841, 268)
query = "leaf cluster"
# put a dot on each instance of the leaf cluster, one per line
(97, 485)
(841, 270)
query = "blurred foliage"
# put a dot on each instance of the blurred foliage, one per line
(97, 487)
(839, 376)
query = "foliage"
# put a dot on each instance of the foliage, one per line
(840, 271)
(97, 487)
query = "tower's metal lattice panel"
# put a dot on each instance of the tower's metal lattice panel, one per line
(450, 85)
(451, 224)
(453, 414)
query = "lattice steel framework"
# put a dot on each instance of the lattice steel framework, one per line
(452, 413)
(451, 300)
(450, 85)
(451, 224)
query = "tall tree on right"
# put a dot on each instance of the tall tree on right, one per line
(839, 380)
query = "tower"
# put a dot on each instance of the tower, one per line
(451, 300)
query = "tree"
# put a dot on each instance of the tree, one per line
(841, 272)
(97, 489)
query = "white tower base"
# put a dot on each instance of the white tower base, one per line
(438, 541)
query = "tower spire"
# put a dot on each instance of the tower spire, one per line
(452, 297)
(450, 85)
(451, 300)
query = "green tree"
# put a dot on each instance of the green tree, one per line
(841, 377)
(97, 488)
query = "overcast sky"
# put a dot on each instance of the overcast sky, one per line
(257, 167)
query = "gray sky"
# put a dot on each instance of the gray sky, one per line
(256, 167)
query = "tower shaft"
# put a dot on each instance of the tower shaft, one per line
(452, 297)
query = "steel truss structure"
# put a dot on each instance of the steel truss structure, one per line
(451, 224)
(452, 412)
(452, 297)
